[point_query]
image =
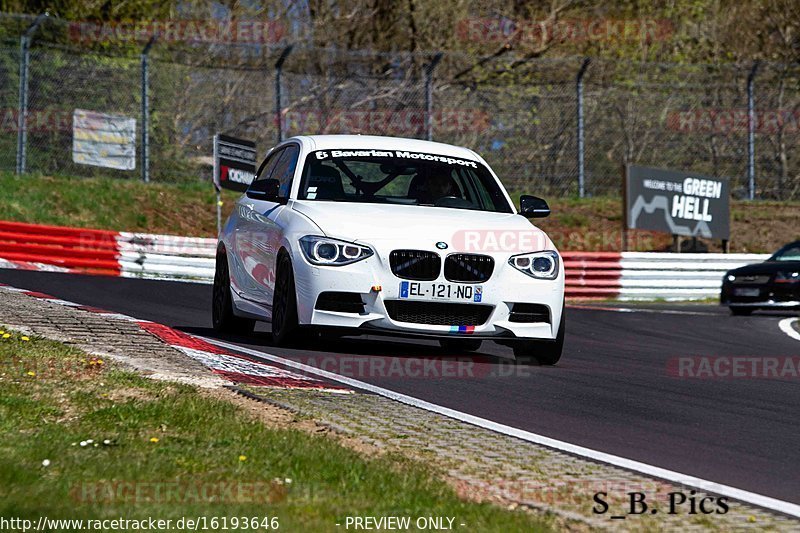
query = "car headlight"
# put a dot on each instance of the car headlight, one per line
(731, 277)
(332, 252)
(540, 265)
(787, 277)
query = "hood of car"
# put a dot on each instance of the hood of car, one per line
(767, 267)
(425, 227)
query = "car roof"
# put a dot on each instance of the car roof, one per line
(788, 245)
(377, 142)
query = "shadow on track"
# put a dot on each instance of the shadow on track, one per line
(357, 345)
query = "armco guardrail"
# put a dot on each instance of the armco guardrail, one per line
(649, 275)
(58, 248)
(87, 251)
(592, 274)
(670, 276)
(595, 275)
(166, 256)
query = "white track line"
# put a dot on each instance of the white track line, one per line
(786, 327)
(639, 310)
(752, 498)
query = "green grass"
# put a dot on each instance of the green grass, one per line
(54, 397)
(105, 203)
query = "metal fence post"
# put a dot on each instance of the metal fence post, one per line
(278, 72)
(22, 117)
(430, 67)
(751, 134)
(146, 109)
(580, 132)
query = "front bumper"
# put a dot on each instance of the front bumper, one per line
(770, 295)
(506, 287)
(790, 304)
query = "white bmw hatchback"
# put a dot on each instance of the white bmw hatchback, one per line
(366, 235)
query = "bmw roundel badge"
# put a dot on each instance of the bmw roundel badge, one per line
(441, 245)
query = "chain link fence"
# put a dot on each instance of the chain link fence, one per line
(62, 80)
(9, 105)
(556, 126)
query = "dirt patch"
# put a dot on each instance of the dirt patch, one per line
(275, 416)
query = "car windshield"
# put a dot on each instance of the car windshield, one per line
(403, 178)
(787, 253)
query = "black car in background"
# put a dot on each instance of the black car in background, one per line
(773, 284)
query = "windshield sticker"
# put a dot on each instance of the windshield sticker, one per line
(400, 154)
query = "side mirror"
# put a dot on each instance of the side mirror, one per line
(264, 190)
(533, 207)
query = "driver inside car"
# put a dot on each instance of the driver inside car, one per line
(428, 187)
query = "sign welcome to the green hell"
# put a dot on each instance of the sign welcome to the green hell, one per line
(678, 203)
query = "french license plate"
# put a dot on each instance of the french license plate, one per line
(440, 291)
(746, 291)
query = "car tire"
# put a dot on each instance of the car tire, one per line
(545, 353)
(222, 317)
(741, 311)
(284, 304)
(460, 345)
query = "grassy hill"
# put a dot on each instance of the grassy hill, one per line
(592, 224)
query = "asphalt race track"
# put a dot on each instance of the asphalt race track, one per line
(615, 389)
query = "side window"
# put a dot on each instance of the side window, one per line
(284, 171)
(475, 194)
(268, 166)
(790, 253)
